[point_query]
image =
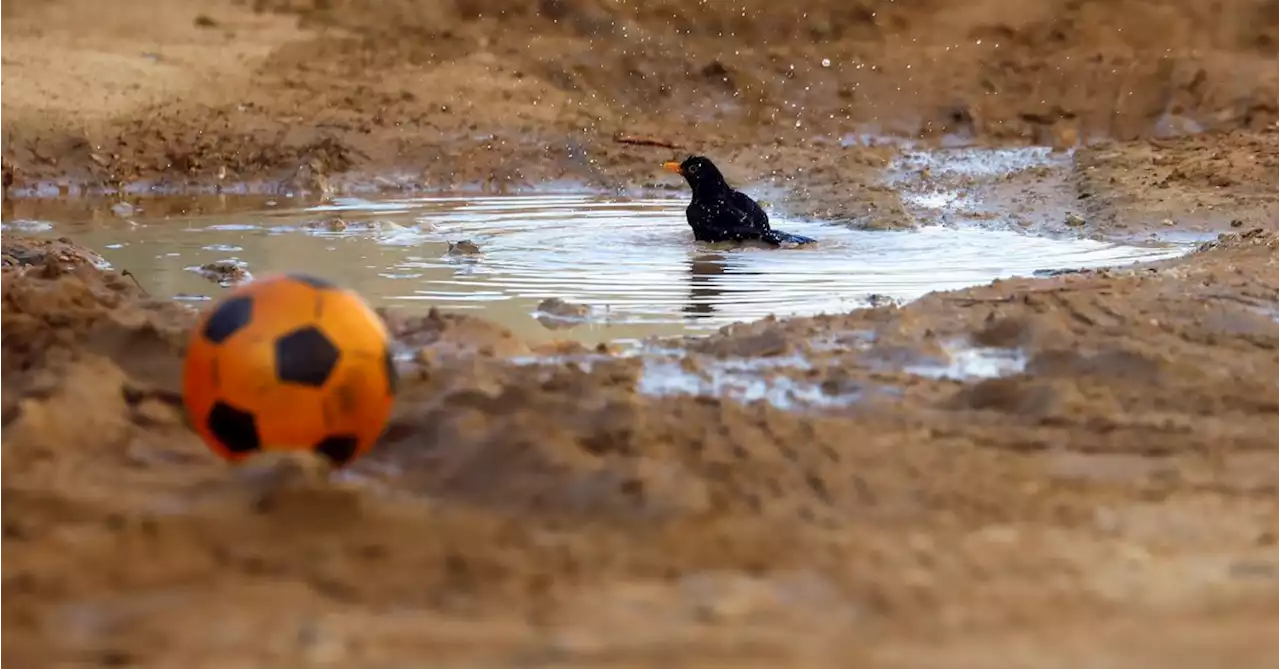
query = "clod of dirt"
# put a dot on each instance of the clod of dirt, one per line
(320, 159)
(1254, 237)
(52, 308)
(225, 272)
(876, 300)
(23, 251)
(755, 340)
(123, 209)
(464, 247)
(330, 224)
(443, 334)
(556, 314)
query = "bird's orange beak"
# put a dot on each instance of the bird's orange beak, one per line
(672, 166)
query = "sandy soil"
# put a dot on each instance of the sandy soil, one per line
(1112, 504)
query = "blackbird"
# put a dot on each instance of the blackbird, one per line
(719, 213)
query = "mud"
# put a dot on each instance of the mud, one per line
(1072, 469)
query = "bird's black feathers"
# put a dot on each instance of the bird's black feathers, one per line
(719, 213)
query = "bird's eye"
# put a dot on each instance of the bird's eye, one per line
(692, 169)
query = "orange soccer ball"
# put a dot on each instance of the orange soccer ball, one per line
(289, 362)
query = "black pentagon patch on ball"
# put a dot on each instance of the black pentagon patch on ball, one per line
(228, 318)
(305, 356)
(393, 378)
(313, 281)
(235, 429)
(338, 448)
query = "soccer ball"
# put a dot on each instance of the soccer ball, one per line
(289, 362)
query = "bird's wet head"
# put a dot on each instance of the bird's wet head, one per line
(699, 171)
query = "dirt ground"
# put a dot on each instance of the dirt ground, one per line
(1113, 503)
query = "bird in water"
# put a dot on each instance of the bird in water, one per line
(719, 213)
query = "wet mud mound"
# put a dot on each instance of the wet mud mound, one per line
(1078, 468)
(576, 506)
(984, 68)
(314, 96)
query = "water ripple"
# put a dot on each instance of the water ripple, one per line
(632, 260)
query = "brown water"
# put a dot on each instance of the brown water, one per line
(631, 262)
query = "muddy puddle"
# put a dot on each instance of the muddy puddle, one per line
(616, 268)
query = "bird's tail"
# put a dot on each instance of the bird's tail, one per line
(780, 238)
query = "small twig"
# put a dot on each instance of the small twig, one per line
(133, 276)
(641, 140)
